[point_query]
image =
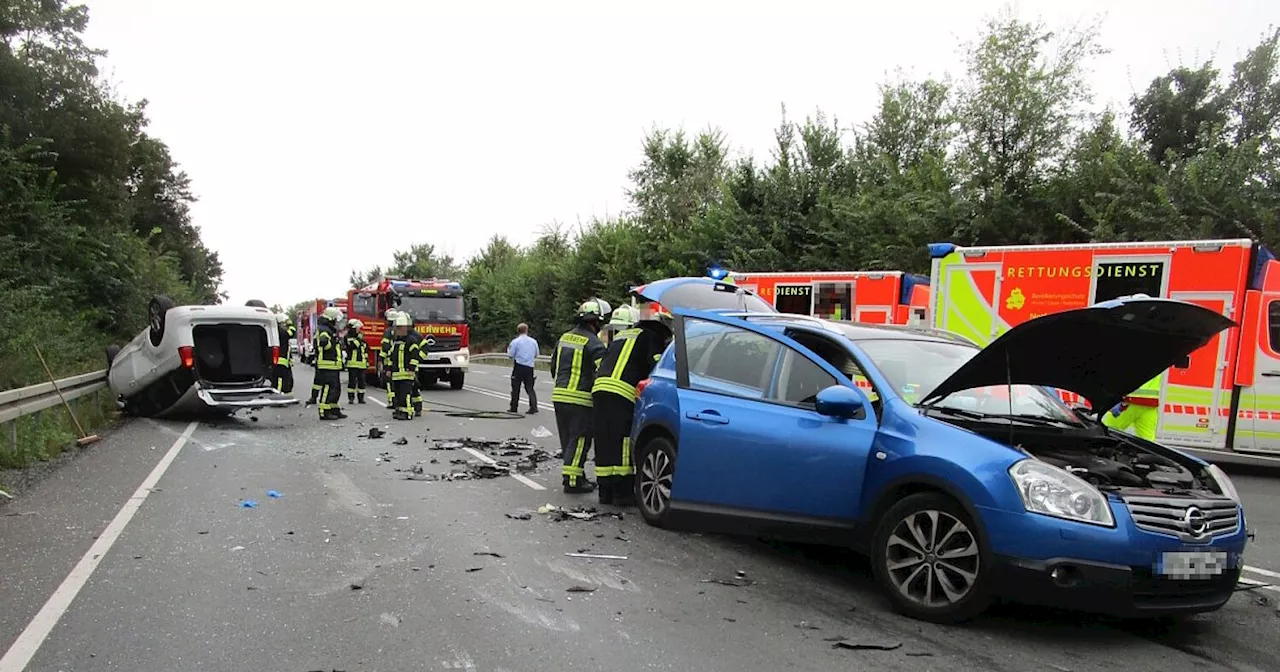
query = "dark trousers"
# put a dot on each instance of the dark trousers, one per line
(403, 404)
(415, 395)
(612, 428)
(523, 375)
(355, 384)
(284, 378)
(329, 383)
(574, 425)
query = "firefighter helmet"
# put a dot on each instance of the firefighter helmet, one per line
(402, 319)
(281, 318)
(593, 308)
(354, 324)
(623, 317)
(331, 315)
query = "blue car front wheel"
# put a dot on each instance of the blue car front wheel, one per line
(929, 558)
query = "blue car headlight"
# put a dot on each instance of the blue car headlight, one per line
(1225, 486)
(1050, 491)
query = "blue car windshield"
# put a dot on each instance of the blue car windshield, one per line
(916, 367)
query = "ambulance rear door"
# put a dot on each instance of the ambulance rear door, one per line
(1258, 422)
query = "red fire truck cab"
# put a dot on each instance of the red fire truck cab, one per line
(876, 297)
(438, 310)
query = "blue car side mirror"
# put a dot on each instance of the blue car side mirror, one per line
(839, 401)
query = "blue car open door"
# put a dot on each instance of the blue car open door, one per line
(752, 443)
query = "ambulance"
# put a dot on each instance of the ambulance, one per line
(1225, 399)
(875, 297)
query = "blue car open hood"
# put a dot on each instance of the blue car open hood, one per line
(696, 293)
(1103, 352)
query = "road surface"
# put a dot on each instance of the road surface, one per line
(140, 556)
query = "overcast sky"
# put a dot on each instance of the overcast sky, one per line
(320, 136)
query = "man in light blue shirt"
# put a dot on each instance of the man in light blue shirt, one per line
(522, 351)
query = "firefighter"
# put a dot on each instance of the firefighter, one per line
(628, 360)
(284, 361)
(420, 356)
(357, 361)
(328, 347)
(388, 335)
(402, 364)
(574, 365)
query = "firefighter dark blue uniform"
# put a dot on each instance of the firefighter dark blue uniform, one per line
(574, 363)
(357, 361)
(328, 350)
(628, 360)
(388, 336)
(419, 355)
(402, 365)
(284, 361)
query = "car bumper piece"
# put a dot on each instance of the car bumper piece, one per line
(245, 398)
(1115, 590)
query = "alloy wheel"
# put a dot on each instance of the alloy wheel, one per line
(655, 482)
(932, 559)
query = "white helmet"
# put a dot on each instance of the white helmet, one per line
(332, 314)
(403, 320)
(354, 324)
(281, 318)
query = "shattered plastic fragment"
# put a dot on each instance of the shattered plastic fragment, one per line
(248, 504)
(580, 589)
(375, 433)
(402, 441)
(274, 494)
(540, 432)
(853, 646)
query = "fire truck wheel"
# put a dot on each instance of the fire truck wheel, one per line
(456, 378)
(156, 310)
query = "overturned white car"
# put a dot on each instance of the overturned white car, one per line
(198, 359)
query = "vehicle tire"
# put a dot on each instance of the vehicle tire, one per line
(112, 351)
(909, 537)
(456, 380)
(156, 311)
(655, 472)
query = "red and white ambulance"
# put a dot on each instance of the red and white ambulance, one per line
(1226, 400)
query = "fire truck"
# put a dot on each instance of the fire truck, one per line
(876, 297)
(307, 321)
(439, 314)
(1226, 399)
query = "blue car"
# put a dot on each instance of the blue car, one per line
(958, 470)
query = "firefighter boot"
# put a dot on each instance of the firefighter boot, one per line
(338, 414)
(400, 415)
(581, 487)
(351, 397)
(604, 489)
(360, 397)
(624, 490)
(417, 409)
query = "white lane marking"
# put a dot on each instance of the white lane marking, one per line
(519, 477)
(33, 636)
(1260, 585)
(499, 395)
(1263, 572)
(485, 458)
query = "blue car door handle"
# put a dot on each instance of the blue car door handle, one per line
(708, 416)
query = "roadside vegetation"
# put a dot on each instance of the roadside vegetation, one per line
(93, 215)
(1012, 149)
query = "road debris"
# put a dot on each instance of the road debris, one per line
(584, 513)
(474, 569)
(597, 556)
(739, 580)
(402, 441)
(520, 515)
(540, 432)
(357, 586)
(488, 553)
(274, 494)
(339, 456)
(580, 589)
(248, 504)
(856, 646)
(375, 433)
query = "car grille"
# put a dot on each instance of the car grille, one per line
(1152, 591)
(442, 343)
(1185, 518)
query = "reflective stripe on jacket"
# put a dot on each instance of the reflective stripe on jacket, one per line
(574, 364)
(628, 360)
(328, 353)
(357, 352)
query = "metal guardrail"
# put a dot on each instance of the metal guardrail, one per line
(502, 356)
(27, 400)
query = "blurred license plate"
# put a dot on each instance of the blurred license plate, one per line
(1191, 564)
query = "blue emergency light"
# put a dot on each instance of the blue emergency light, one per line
(717, 272)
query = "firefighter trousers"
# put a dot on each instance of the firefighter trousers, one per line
(415, 396)
(284, 378)
(402, 406)
(355, 384)
(328, 384)
(615, 474)
(574, 424)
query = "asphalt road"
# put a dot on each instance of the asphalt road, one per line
(102, 574)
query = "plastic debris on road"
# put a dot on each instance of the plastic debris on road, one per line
(248, 504)
(584, 513)
(598, 556)
(273, 494)
(540, 432)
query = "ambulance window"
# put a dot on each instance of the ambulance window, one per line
(1273, 325)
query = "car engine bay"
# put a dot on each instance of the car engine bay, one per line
(1106, 459)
